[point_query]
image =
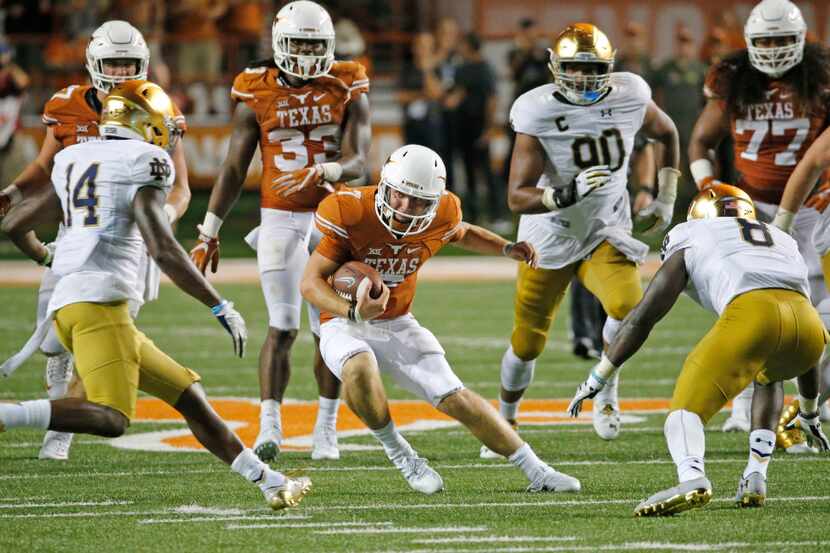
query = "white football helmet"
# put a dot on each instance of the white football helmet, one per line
(116, 40)
(774, 18)
(415, 171)
(302, 20)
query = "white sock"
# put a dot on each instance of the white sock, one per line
(252, 469)
(761, 446)
(269, 415)
(26, 414)
(516, 374)
(327, 412)
(742, 404)
(687, 444)
(393, 443)
(509, 411)
(525, 458)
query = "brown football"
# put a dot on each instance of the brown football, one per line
(348, 277)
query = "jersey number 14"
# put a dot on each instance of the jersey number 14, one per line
(82, 196)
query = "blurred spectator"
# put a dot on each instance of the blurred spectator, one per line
(194, 25)
(473, 101)
(634, 56)
(349, 44)
(13, 83)
(27, 23)
(528, 59)
(420, 95)
(243, 22)
(148, 16)
(449, 60)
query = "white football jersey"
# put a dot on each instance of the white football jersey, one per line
(726, 257)
(574, 138)
(99, 256)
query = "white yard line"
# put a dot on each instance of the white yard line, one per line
(406, 530)
(219, 518)
(305, 525)
(60, 505)
(627, 546)
(496, 539)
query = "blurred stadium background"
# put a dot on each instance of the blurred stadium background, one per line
(199, 45)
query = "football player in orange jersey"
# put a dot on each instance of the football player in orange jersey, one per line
(116, 53)
(310, 116)
(773, 98)
(396, 227)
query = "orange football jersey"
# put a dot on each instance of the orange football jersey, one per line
(299, 127)
(770, 137)
(352, 231)
(73, 115)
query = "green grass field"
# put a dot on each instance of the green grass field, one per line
(111, 499)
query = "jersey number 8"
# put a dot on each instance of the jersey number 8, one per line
(755, 233)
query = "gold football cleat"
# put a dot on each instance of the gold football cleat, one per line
(686, 495)
(784, 437)
(290, 494)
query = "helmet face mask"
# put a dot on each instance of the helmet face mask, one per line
(303, 40)
(581, 61)
(772, 19)
(417, 173)
(140, 110)
(721, 200)
(116, 40)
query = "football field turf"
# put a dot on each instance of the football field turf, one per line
(153, 494)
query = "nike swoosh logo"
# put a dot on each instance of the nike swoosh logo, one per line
(318, 98)
(413, 250)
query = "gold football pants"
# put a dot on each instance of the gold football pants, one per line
(607, 273)
(115, 360)
(766, 335)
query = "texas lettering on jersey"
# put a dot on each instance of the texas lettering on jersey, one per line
(771, 136)
(73, 115)
(299, 127)
(352, 231)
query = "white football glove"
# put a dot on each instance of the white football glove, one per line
(811, 426)
(590, 179)
(234, 323)
(587, 390)
(655, 217)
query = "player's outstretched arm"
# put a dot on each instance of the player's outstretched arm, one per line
(661, 295)
(802, 180)
(179, 197)
(228, 185)
(657, 216)
(526, 166)
(41, 208)
(36, 176)
(711, 127)
(480, 240)
(152, 221)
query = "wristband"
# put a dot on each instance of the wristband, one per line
(171, 213)
(505, 251)
(604, 370)
(783, 219)
(211, 226)
(14, 194)
(667, 184)
(331, 171)
(703, 172)
(217, 309)
(47, 259)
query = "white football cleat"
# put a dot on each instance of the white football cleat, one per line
(58, 374)
(267, 444)
(736, 423)
(550, 480)
(606, 411)
(56, 446)
(487, 453)
(418, 474)
(324, 444)
(686, 495)
(752, 491)
(289, 494)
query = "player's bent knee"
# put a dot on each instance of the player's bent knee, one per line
(280, 339)
(359, 370)
(527, 345)
(112, 423)
(619, 307)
